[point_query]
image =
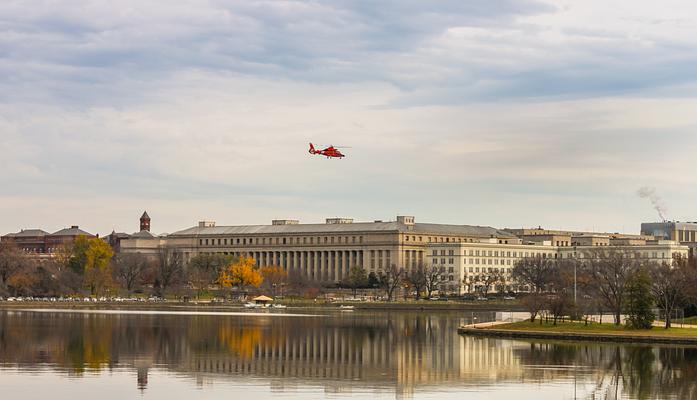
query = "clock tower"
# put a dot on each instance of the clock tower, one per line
(145, 222)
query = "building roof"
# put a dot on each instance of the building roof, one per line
(72, 231)
(142, 235)
(145, 215)
(417, 228)
(28, 233)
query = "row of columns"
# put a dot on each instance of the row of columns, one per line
(322, 266)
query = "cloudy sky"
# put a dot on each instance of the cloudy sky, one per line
(506, 113)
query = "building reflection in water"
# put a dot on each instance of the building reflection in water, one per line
(397, 352)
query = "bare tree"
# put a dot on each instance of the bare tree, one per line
(416, 279)
(433, 278)
(533, 303)
(608, 273)
(204, 269)
(169, 270)
(486, 281)
(389, 279)
(534, 272)
(12, 259)
(670, 285)
(129, 269)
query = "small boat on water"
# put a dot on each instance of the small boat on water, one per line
(346, 308)
(279, 306)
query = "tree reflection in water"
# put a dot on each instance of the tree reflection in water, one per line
(398, 351)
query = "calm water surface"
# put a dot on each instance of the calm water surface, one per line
(391, 355)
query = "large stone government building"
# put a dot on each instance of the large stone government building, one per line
(325, 252)
(321, 252)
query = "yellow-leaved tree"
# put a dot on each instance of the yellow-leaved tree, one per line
(97, 266)
(241, 273)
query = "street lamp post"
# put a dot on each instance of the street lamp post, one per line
(575, 265)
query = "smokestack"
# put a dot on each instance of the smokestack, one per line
(656, 201)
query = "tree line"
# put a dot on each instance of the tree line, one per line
(89, 266)
(607, 281)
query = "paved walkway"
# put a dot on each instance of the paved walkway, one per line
(486, 324)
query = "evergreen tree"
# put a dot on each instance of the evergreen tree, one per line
(640, 301)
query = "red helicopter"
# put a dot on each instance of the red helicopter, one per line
(329, 152)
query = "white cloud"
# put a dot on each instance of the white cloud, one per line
(454, 111)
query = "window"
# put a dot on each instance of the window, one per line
(451, 270)
(442, 252)
(442, 260)
(435, 252)
(206, 242)
(200, 241)
(450, 261)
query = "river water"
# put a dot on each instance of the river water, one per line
(337, 355)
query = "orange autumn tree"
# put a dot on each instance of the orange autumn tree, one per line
(241, 273)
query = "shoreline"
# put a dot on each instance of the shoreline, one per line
(217, 307)
(503, 333)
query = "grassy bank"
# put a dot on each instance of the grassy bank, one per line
(580, 327)
(579, 332)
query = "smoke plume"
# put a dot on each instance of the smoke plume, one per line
(656, 201)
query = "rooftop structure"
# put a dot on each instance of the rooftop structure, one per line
(683, 232)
